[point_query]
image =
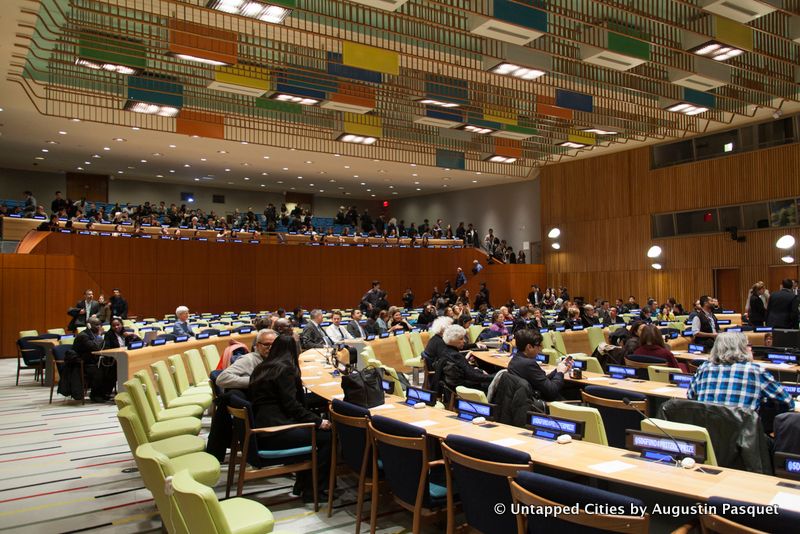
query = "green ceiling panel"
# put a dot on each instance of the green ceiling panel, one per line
(107, 49)
(628, 46)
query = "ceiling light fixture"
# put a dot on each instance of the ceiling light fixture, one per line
(654, 251)
(151, 109)
(785, 242)
(686, 108)
(476, 129)
(556, 246)
(788, 259)
(518, 71)
(494, 158)
(108, 67)
(656, 266)
(303, 101)
(554, 233)
(264, 12)
(572, 144)
(438, 103)
(717, 51)
(357, 139)
(600, 131)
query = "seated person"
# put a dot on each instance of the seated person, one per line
(454, 365)
(336, 331)
(436, 345)
(497, 328)
(538, 321)
(573, 318)
(181, 326)
(730, 377)
(398, 323)
(354, 326)
(524, 365)
(372, 328)
(589, 316)
(521, 321)
(313, 336)
(100, 373)
(237, 375)
(276, 393)
(612, 317)
(116, 336)
(665, 313)
(651, 343)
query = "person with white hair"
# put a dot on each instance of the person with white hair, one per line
(436, 345)
(455, 368)
(237, 375)
(181, 326)
(730, 377)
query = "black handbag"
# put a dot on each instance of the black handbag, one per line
(363, 388)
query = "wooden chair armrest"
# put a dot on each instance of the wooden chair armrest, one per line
(435, 463)
(282, 428)
(685, 528)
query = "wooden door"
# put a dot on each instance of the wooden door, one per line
(777, 273)
(726, 289)
(93, 187)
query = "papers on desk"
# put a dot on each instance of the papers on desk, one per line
(613, 466)
(334, 383)
(507, 442)
(424, 423)
(314, 377)
(666, 389)
(787, 501)
(596, 378)
(339, 396)
(382, 407)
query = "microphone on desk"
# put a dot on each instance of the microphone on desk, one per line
(683, 463)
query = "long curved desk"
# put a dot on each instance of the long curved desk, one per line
(578, 457)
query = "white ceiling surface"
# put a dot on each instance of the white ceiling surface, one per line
(24, 134)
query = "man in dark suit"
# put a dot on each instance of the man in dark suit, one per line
(782, 308)
(523, 364)
(119, 306)
(85, 345)
(181, 326)
(313, 336)
(83, 310)
(370, 299)
(535, 297)
(355, 329)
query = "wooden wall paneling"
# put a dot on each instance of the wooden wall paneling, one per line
(114, 255)
(23, 297)
(169, 292)
(142, 295)
(169, 258)
(144, 255)
(776, 274)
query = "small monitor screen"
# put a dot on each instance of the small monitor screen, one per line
(579, 364)
(543, 330)
(181, 338)
(696, 348)
(547, 427)
(417, 395)
(763, 329)
(469, 410)
(791, 388)
(384, 334)
(541, 358)
(687, 333)
(387, 386)
(723, 321)
(223, 333)
(158, 341)
(399, 332)
(245, 329)
(133, 345)
(66, 340)
(782, 358)
(325, 323)
(661, 448)
(202, 335)
(680, 379)
(620, 372)
(560, 328)
(787, 465)
(674, 334)
(505, 347)
(578, 327)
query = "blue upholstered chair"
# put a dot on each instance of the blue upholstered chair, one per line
(783, 521)
(349, 429)
(540, 490)
(416, 483)
(478, 471)
(617, 416)
(250, 445)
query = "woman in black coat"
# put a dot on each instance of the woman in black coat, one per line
(757, 312)
(276, 392)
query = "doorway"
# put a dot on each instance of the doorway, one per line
(778, 273)
(727, 290)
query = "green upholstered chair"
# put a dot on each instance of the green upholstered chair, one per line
(59, 331)
(417, 346)
(660, 373)
(558, 342)
(164, 414)
(197, 367)
(122, 400)
(154, 429)
(592, 363)
(469, 394)
(154, 479)
(169, 391)
(596, 336)
(211, 356)
(474, 331)
(594, 430)
(204, 513)
(201, 465)
(181, 377)
(169, 447)
(28, 333)
(685, 431)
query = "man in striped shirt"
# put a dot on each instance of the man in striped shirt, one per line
(730, 377)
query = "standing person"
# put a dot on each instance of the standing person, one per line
(461, 278)
(535, 297)
(119, 306)
(104, 313)
(756, 310)
(476, 267)
(277, 396)
(482, 297)
(782, 307)
(704, 324)
(83, 310)
(181, 326)
(370, 299)
(29, 206)
(521, 256)
(58, 203)
(408, 299)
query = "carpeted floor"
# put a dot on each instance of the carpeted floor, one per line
(66, 467)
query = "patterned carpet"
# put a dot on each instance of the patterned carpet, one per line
(66, 468)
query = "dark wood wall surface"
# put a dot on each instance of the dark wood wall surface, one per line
(603, 205)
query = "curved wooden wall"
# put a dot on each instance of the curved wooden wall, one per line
(603, 205)
(156, 276)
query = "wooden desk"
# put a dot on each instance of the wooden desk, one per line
(682, 343)
(577, 457)
(131, 361)
(646, 387)
(47, 345)
(773, 367)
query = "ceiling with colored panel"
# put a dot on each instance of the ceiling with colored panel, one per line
(424, 84)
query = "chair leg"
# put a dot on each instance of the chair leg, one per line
(41, 373)
(231, 467)
(360, 504)
(332, 475)
(18, 368)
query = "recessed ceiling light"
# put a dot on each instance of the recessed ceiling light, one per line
(172, 146)
(247, 178)
(338, 155)
(222, 151)
(143, 161)
(197, 179)
(45, 150)
(96, 156)
(262, 185)
(119, 139)
(135, 128)
(76, 120)
(266, 157)
(368, 190)
(106, 148)
(309, 162)
(321, 172)
(299, 177)
(376, 160)
(80, 168)
(62, 132)
(445, 185)
(280, 181)
(347, 166)
(245, 164)
(159, 175)
(321, 190)
(120, 172)
(310, 185)
(414, 174)
(40, 158)
(391, 187)
(157, 154)
(416, 183)
(372, 195)
(347, 193)
(355, 176)
(186, 165)
(87, 162)
(286, 168)
(413, 164)
(292, 188)
(474, 181)
(478, 173)
(332, 181)
(52, 142)
(245, 143)
(418, 189)
(131, 168)
(172, 171)
(264, 174)
(203, 159)
(363, 183)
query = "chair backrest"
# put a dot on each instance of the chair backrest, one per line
(594, 430)
(787, 430)
(547, 340)
(134, 388)
(123, 400)
(179, 373)
(552, 356)
(682, 430)
(416, 343)
(166, 387)
(402, 449)
(592, 363)
(481, 472)
(132, 427)
(350, 425)
(732, 523)
(473, 332)
(469, 394)
(392, 375)
(404, 346)
(28, 333)
(60, 352)
(536, 490)
(59, 331)
(617, 416)
(151, 465)
(558, 342)
(211, 356)
(596, 336)
(643, 361)
(367, 353)
(660, 373)
(149, 390)
(199, 505)
(197, 367)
